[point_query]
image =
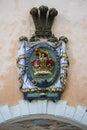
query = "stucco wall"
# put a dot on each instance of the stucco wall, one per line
(71, 22)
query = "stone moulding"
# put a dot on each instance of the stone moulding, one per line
(44, 110)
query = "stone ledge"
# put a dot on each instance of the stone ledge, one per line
(79, 112)
(84, 118)
(69, 112)
(60, 108)
(5, 113)
(15, 111)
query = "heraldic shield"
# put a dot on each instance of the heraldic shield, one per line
(42, 64)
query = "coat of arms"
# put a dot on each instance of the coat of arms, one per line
(42, 60)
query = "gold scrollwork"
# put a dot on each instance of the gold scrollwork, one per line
(22, 67)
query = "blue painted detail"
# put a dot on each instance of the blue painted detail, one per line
(27, 96)
(43, 82)
(30, 78)
(43, 89)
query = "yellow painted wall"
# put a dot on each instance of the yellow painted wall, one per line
(71, 22)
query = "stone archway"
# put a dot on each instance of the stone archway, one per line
(39, 124)
(59, 111)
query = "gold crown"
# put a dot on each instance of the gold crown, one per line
(43, 64)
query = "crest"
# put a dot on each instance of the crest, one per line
(42, 64)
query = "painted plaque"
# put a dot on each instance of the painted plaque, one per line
(42, 64)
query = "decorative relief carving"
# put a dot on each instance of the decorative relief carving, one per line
(42, 66)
